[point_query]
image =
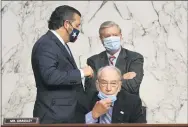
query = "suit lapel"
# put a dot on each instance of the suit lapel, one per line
(121, 60)
(104, 59)
(72, 57)
(118, 110)
(63, 49)
(95, 98)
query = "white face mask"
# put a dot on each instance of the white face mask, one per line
(112, 43)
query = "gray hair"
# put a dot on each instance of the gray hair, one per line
(109, 67)
(108, 24)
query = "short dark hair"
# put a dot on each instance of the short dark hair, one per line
(60, 15)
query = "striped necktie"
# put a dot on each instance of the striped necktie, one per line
(106, 118)
(111, 59)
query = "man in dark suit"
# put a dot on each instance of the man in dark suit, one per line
(130, 63)
(58, 80)
(111, 104)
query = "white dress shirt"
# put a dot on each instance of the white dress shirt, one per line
(62, 41)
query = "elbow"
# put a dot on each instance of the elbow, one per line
(136, 86)
(51, 79)
(50, 82)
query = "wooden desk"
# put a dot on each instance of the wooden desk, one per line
(96, 125)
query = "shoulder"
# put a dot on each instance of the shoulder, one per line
(132, 54)
(44, 44)
(96, 56)
(92, 98)
(44, 40)
(129, 98)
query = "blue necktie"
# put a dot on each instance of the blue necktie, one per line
(107, 118)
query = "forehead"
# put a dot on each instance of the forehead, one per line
(109, 75)
(110, 30)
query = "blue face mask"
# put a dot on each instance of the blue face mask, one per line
(112, 43)
(103, 96)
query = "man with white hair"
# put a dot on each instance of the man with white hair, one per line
(111, 104)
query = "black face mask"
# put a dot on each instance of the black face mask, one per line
(74, 34)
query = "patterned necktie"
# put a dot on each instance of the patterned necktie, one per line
(111, 59)
(107, 118)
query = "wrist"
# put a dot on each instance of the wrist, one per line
(94, 115)
(83, 72)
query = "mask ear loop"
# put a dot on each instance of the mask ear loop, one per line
(69, 24)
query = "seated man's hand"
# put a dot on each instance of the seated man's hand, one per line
(129, 75)
(101, 107)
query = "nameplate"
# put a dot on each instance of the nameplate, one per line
(21, 121)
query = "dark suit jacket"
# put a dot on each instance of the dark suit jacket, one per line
(58, 82)
(127, 61)
(128, 103)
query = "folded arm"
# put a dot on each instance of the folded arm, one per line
(132, 85)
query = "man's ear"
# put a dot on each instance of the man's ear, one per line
(101, 39)
(66, 24)
(121, 37)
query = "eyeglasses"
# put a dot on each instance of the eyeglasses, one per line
(113, 83)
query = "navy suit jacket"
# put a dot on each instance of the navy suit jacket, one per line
(60, 94)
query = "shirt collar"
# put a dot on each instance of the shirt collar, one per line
(116, 54)
(58, 36)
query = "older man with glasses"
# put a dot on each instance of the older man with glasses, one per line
(111, 104)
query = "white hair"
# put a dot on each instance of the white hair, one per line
(109, 67)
